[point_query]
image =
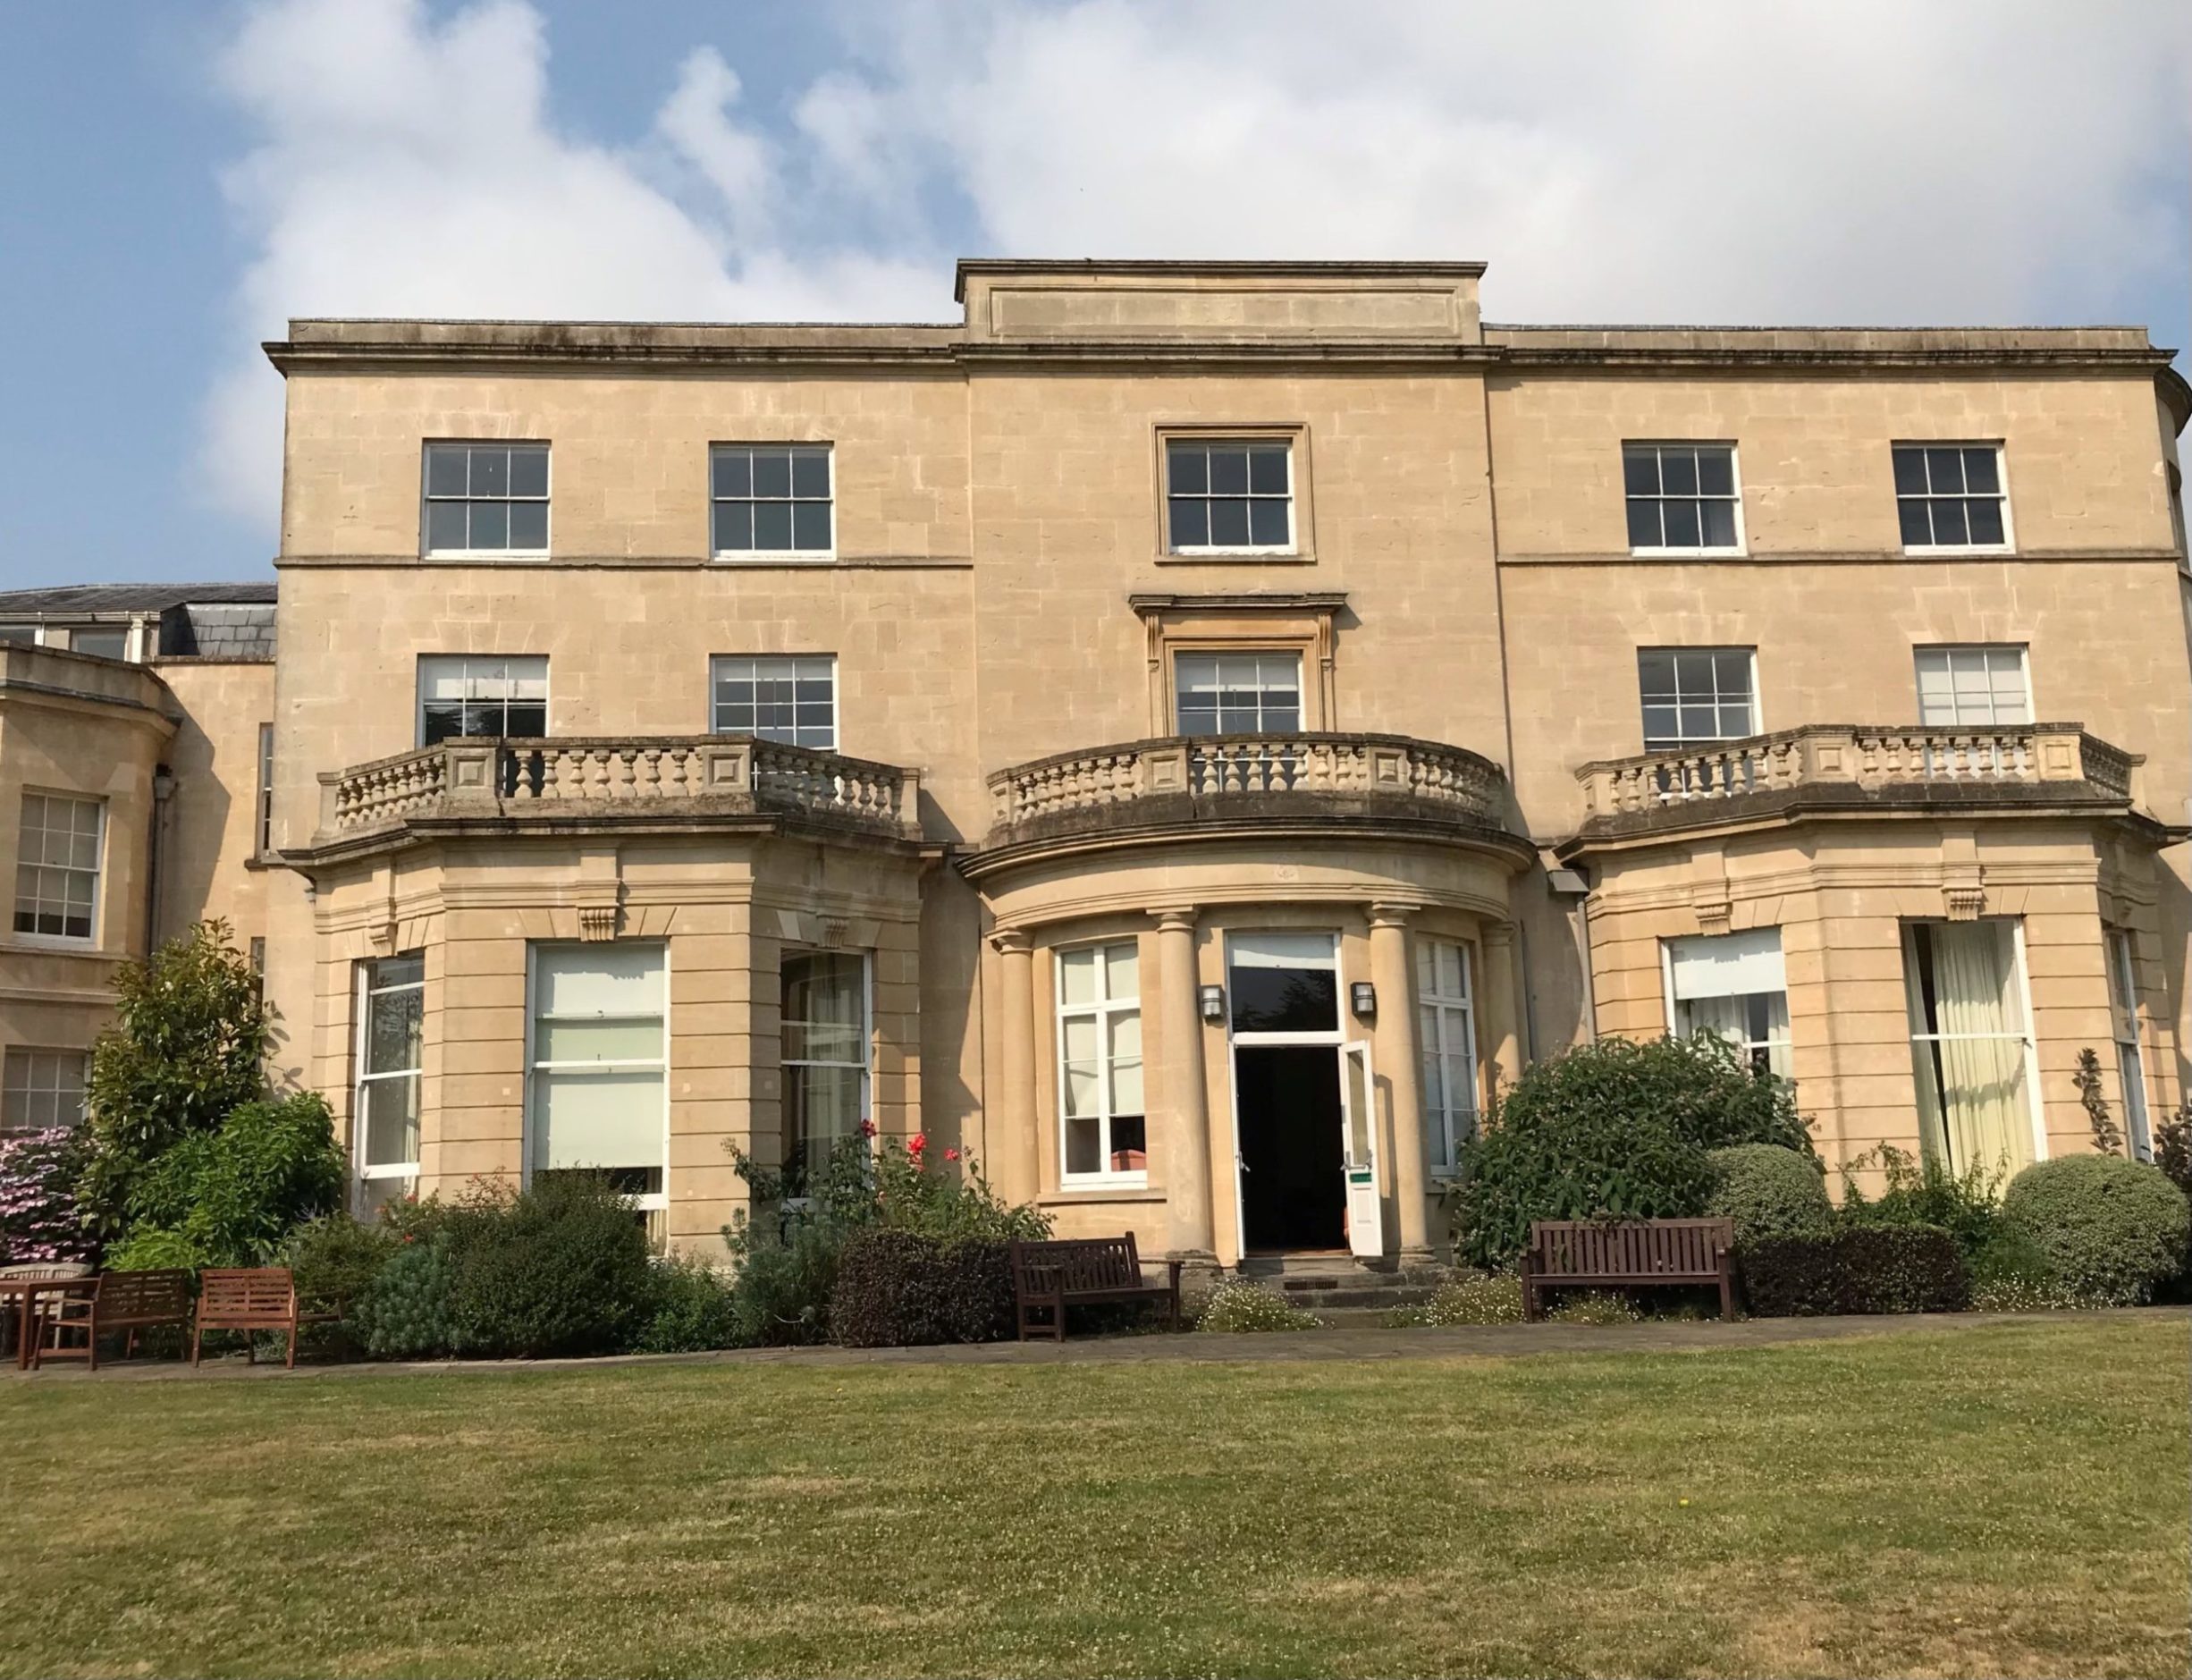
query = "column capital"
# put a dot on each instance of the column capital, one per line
(1176, 919)
(1010, 941)
(1499, 933)
(1383, 915)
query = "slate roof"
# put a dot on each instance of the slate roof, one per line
(130, 598)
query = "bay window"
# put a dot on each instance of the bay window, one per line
(598, 1096)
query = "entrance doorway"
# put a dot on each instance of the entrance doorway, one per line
(1294, 1192)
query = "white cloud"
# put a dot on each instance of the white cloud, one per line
(1724, 160)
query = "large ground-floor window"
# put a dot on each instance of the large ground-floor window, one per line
(825, 1055)
(2123, 1013)
(1104, 1133)
(392, 996)
(1734, 984)
(1969, 1049)
(1448, 1026)
(600, 1063)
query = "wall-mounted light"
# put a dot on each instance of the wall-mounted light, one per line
(1213, 1003)
(1363, 996)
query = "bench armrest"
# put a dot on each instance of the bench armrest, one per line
(1172, 1273)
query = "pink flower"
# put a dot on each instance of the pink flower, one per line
(918, 1142)
(867, 1128)
(951, 1154)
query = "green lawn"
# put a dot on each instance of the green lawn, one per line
(2005, 1500)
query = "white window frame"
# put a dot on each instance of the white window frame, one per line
(97, 872)
(2007, 545)
(1443, 1020)
(366, 991)
(1680, 742)
(262, 804)
(2121, 947)
(29, 1057)
(717, 662)
(1219, 657)
(867, 1037)
(1748, 1047)
(426, 661)
(1104, 1010)
(1988, 654)
(1739, 549)
(1283, 445)
(657, 1204)
(776, 556)
(546, 499)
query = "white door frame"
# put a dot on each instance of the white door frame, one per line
(1336, 1038)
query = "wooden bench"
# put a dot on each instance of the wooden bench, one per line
(131, 1301)
(1047, 1278)
(1628, 1254)
(250, 1298)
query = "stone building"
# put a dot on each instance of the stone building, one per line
(1182, 734)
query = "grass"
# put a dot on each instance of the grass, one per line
(2007, 1500)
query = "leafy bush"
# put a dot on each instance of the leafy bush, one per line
(695, 1309)
(1237, 1307)
(1769, 1191)
(2113, 1229)
(1473, 1298)
(1615, 1128)
(1925, 1192)
(335, 1260)
(185, 1051)
(1857, 1269)
(898, 1288)
(231, 1197)
(38, 1217)
(2172, 1146)
(1593, 1306)
(405, 1314)
(564, 1270)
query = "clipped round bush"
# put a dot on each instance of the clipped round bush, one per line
(565, 1270)
(404, 1315)
(2113, 1229)
(1769, 1191)
(1613, 1129)
(1237, 1307)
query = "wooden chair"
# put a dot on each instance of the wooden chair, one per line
(18, 1304)
(1628, 1254)
(1048, 1277)
(126, 1301)
(249, 1298)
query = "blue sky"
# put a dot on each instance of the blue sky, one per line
(181, 179)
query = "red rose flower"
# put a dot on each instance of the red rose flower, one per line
(951, 1154)
(867, 1128)
(918, 1142)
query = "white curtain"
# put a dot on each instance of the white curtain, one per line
(1978, 1111)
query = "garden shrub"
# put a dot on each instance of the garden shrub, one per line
(695, 1309)
(1862, 1269)
(1237, 1307)
(38, 1217)
(231, 1197)
(780, 1296)
(1617, 1130)
(2172, 1146)
(1472, 1298)
(335, 1260)
(2113, 1229)
(1592, 1306)
(565, 1269)
(185, 1051)
(898, 1288)
(1769, 1191)
(405, 1314)
(1922, 1191)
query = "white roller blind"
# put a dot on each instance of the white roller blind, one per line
(1279, 950)
(597, 1119)
(605, 979)
(1728, 964)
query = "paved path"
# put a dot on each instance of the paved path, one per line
(1495, 1342)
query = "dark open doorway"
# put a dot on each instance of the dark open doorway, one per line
(1293, 1193)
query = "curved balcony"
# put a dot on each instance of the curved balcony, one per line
(1210, 785)
(1841, 768)
(577, 785)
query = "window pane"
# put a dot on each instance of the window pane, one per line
(490, 472)
(1945, 471)
(810, 526)
(445, 474)
(1085, 1143)
(528, 525)
(1716, 472)
(1719, 524)
(810, 473)
(528, 472)
(731, 473)
(1735, 721)
(1267, 524)
(597, 1119)
(1697, 723)
(394, 1036)
(445, 525)
(1980, 472)
(1186, 470)
(618, 978)
(1285, 999)
(1191, 523)
(1654, 669)
(1659, 726)
(1639, 472)
(1681, 519)
(1129, 1152)
(1732, 673)
(526, 719)
(1984, 518)
(1917, 530)
(1678, 471)
(489, 525)
(636, 1040)
(1077, 974)
(772, 472)
(1266, 471)
(734, 526)
(1949, 523)
(1644, 525)
(1122, 971)
(1229, 524)
(392, 1122)
(772, 525)
(1909, 472)
(1228, 472)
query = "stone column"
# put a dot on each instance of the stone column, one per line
(1187, 1135)
(1010, 1133)
(1502, 1044)
(1401, 1063)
